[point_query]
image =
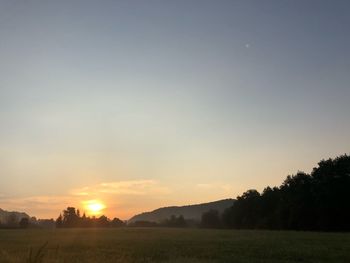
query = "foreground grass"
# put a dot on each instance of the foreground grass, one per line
(172, 245)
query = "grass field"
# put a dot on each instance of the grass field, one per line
(172, 245)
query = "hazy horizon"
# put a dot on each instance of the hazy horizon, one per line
(137, 105)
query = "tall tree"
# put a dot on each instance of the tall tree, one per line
(316, 201)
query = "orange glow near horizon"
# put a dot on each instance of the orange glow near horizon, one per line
(94, 207)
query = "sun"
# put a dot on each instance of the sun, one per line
(94, 207)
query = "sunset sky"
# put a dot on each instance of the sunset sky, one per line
(143, 104)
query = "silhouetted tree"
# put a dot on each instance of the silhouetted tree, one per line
(59, 221)
(270, 201)
(102, 221)
(24, 222)
(45, 223)
(70, 218)
(296, 208)
(331, 184)
(245, 211)
(211, 219)
(12, 220)
(116, 222)
(316, 201)
(174, 221)
(180, 221)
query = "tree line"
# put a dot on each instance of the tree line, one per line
(319, 201)
(71, 218)
(14, 221)
(172, 221)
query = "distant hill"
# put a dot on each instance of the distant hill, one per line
(193, 212)
(4, 216)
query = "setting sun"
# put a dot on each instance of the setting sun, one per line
(94, 207)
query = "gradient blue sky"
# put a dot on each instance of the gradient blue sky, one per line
(166, 102)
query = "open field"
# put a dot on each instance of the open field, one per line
(173, 245)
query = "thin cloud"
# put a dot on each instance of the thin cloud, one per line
(132, 187)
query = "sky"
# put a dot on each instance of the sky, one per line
(144, 104)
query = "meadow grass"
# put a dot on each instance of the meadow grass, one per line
(171, 245)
